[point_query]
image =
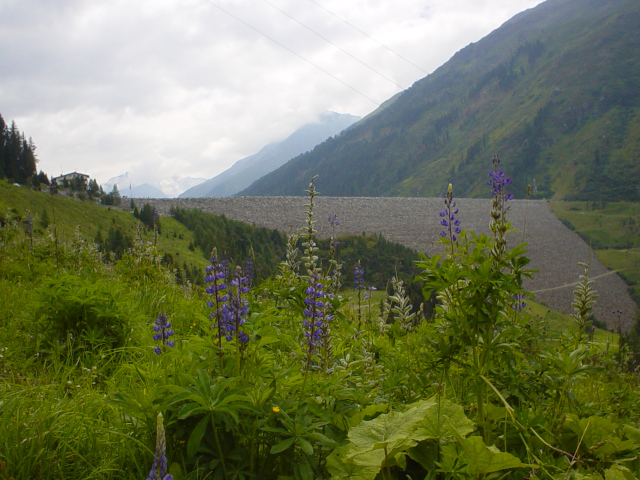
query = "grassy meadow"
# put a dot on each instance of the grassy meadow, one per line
(112, 369)
(613, 231)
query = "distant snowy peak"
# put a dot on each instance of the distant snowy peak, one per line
(272, 156)
(135, 188)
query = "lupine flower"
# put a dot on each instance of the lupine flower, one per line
(216, 275)
(159, 466)
(237, 307)
(313, 313)
(248, 270)
(448, 218)
(499, 181)
(163, 331)
(358, 276)
(519, 304)
(499, 227)
(367, 296)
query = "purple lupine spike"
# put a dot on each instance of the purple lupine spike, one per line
(248, 270)
(449, 220)
(237, 308)
(162, 327)
(358, 276)
(159, 466)
(314, 313)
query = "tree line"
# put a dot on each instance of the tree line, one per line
(17, 156)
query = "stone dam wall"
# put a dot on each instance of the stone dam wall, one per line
(554, 249)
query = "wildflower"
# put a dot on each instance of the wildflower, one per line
(163, 331)
(358, 276)
(519, 304)
(275, 409)
(449, 221)
(368, 296)
(248, 270)
(499, 226)
(237, 308)
(313, 312)
(216, 274)
(498, 181)
(159, 466)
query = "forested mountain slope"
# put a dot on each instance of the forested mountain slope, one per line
(555, 91)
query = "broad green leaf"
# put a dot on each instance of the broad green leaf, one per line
(631, 433)
(341, 468)
(440, 420)
(618, 472)
(283, 445)
(425, 453)
(481, 459)
(388, 430)
(368, 411)
(196, 436)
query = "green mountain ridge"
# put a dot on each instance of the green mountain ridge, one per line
(554, 91)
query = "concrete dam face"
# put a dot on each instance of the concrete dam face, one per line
(554, 249)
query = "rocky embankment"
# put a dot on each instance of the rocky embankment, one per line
(554, 249)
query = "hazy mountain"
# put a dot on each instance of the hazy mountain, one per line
(555, 91)
(144, 190)
(245, 171)
(134, 188)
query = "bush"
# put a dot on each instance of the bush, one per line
(83, 312)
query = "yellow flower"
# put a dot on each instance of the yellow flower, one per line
(275, 409)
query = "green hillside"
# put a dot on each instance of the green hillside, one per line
(613, 230)
(555, 90)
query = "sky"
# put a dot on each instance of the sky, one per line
(167, 89)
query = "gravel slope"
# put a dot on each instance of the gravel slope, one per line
(554, 249)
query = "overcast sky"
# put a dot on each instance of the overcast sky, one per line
(178, 88)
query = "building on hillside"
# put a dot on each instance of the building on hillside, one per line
(70, 176)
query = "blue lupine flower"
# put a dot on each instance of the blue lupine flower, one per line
(448, 217)
(236, 309)
(498, 181)
(159, 466)
(163, 331)
(519, 304)
(216, 275)
(248, 270)
(314, 313)
(358, 276)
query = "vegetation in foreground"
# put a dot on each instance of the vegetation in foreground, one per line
(112, 369)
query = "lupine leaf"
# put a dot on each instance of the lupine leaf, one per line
(283, 445)
(196, 436)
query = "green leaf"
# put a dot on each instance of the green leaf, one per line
(618, 472)
(631, 433)
(339, 467)
(368, 411)
(439, 420)
(283, 445)
(196, 436)
(482, 459)
(305, 446)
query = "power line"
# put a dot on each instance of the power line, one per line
(368, 36)
(336, 46)
(291, 51)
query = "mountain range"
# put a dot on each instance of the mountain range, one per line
(245, 171)
(131, 187)
(555, 92)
